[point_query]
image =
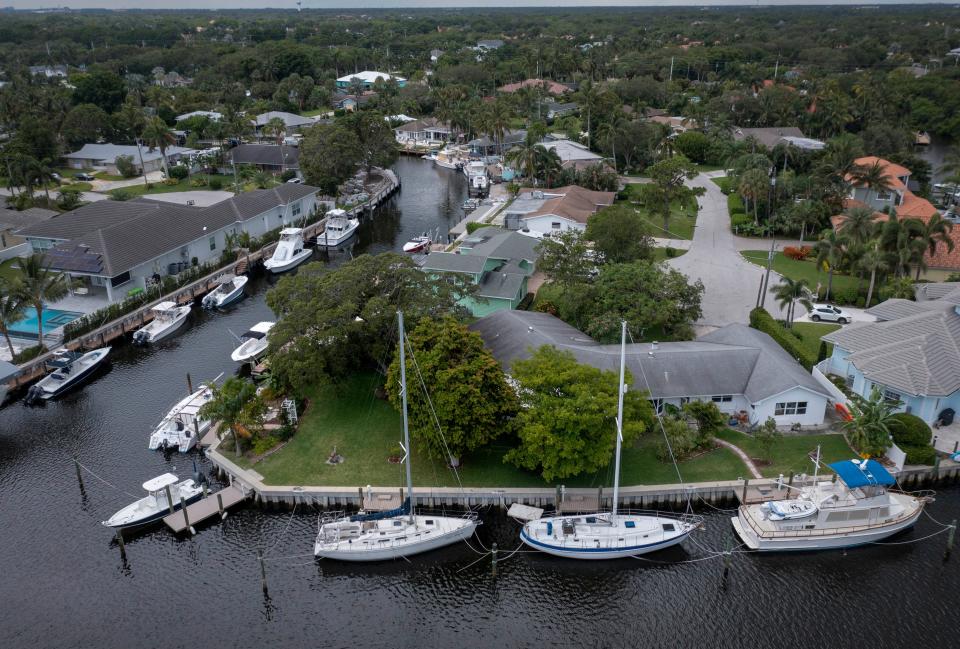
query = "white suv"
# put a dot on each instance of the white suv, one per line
(829, 313)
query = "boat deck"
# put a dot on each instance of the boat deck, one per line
(204, 508)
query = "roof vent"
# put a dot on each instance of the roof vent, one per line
(653, 346)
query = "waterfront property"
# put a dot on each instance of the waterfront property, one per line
(112, 248)
(11, 221)
(498, 262)
(424, 131)
(776, 135)
(367, 79)
(551, 211)
(209, 114)
(292, 123)
(573, 155)
(103, 157)
(486, 146)
(742, 370)
(911, 354)
(273, 158)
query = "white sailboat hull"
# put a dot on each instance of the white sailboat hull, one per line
(605, 541)
(406, 541)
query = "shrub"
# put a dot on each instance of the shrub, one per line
(28, 354)
(120, 195)
(763, 321)
(171, 182)
(670, 252)
(683, 440)
(473, 226)
(735, 204)
(925, 455)
(289, 174)
(125, 166)
(847, 297)
(215, 184)
(709, 419)
(910, 430)
(179, 172)
(263, 444)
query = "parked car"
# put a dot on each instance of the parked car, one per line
(829, 313)
(56, 176)
(83, 177)
(295, 181)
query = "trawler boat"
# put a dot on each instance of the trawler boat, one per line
(229, 291)
(182, 428)
(289, 253)
(448, 158)
(72, 369)
(339, 228)
(608, 535)
(165, 493)
(396, 533)
(253, 344)
(167, 320)
(418, 244)
(854, 509)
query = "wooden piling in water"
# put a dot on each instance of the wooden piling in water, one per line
(189, 384)
(186, 519)
(493, 557)
(263, 571)
(76, 464)
(169, 498)
(223, 514)
(123, 548)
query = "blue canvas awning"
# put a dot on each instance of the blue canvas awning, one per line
(857, 473)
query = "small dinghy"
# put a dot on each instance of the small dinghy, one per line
(253, 344)
(229, 291)
(417, 244)
(289, 252)
(168, 318)
(781, 510)
(182, 427)
(165, 493)
(72, 369)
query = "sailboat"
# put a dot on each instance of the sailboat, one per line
(608, 535)
(396, 533)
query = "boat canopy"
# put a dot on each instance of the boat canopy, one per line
(227, 279)
(289, 232)
(165, 306)
(336, 212)
(161, 481)
(262, 327)
(862, 473)
(378, 516)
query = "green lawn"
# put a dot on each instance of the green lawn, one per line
(681, 222)
(660, 254)
(314, 113)
(703, 168)
(790, 453)
(811, 332)
(364, 429)
(185, 185)
(723, 182)
(803, 270)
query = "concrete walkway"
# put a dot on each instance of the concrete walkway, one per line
(731, 282)
(108, 185)
(743, 456)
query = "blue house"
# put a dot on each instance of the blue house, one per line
(911, 354)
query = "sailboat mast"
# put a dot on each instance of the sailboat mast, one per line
(621, 388)
(403, 398)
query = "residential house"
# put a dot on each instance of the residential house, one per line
(906, 204)
(273, 158)
(172, 79)
(350, 103)
(742, 370)
(573, 155)
(549, 211)
(498, 262)
(551, 87)
(104, 157)
(556, 110)
(11, 221)
(775, 135)
(113, 247)
(435, 55)
(911, 354)
(486, 146)
(676, 124)
(428, 129)
(292, 123)
(212, 115)
(489, 44)
(367, 78)
(49, 71)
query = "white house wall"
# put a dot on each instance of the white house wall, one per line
(816, 408)
(544, 224)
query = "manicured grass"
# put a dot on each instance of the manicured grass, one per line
(185, 185)
(723, 182)
(365, 429)
(314, 113)
(681, 222)
(811, 332)
(703, 168)
(802, 270)
(791, 452)
(77, 187)
(660, 254)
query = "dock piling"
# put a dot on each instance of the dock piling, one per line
(263, 571)
(189, 384)
(746, 481)
(493, 557)
(123, 548)
(950, 537)
(186, 519)
(76, 464)
(169, 498)
(223, 514)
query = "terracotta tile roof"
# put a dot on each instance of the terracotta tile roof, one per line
(553, 87)
(574, 202)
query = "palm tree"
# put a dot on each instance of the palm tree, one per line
(237, 407)
(754, 185)
(788, 292)
(874, 177)
(11, 308)
(499, 115)
(157, 134)
(872, 419)
(609, 131)
(548, 165)
(931, 234)
(859, 224)
(829, 251)
(39, 284)
(873, 260)
(523, 157)
(277, 127)
(41, 173)
(588, 96)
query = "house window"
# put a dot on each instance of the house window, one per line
(684, 401)
(213, 242)
(722, 398)
(555, 225)
(296, 209)
(883, 195)
(122, 278)
(850, 380)
(657, 405)
(790, 408)
(892, 397)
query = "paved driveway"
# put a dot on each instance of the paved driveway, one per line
(731, 282)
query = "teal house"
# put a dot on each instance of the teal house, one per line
(498, 261)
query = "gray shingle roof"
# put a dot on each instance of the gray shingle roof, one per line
(496, 284)
(15, 220)
(502, 244)
(453, 262)
(918, 354)
(109, 152)
(731, 360)
(290, 119)
(266, 154)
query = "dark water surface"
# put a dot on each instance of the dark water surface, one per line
(63, 584)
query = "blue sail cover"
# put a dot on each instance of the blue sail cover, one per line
(857, 473)
(379, 516)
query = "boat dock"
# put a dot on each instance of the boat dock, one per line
(215, 504)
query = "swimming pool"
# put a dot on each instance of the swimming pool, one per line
(52, 318)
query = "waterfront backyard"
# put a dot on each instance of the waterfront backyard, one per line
(365, 430)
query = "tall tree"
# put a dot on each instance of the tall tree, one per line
(870, 423)
(667, 186)
(39, 284)
(788, 292)
(930, 235)
(874, 260)
(11, 307)
(829, 250)
(157, 134)
(329, 156)
(874, 177)
(619, 234)
(236, 407)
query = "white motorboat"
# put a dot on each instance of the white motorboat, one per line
(418, 244)
(229, 291)
(854, 509)
(182, 428)
(448, 158)
(253, 343)
(165, 493)
(608, 535)
(338, 229)
(72, 369)
(290, 251)
(396, 533)
(168, 318)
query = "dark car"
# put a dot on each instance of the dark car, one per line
(83, 177)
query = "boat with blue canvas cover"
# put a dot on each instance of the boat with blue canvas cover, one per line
(856, 508)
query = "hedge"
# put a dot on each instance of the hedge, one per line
(473, 226)
(28, 354)
(763, 321)
(913, 436)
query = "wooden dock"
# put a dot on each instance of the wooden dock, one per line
(215, 504)
(381, 501)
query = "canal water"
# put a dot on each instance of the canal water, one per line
(63, 582)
